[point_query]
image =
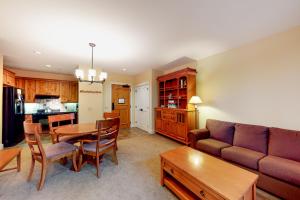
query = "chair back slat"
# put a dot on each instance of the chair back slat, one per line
(108, 128)
(112, 124)
(32, 137)
(59, 118)
(54, 122)
(107, 115)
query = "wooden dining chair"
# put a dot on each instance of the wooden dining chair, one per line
(96, 148)
(108, 115)
(43, 155)
(115, 126)
(55, 122)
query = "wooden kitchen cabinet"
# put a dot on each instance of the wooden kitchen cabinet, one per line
(53, 88)
(28, 118)
(8, 78)
(73, 92)
(41, 87)
(65, 91)
(30, 90)
(48, 87)
(20, 82)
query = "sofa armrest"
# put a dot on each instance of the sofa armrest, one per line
(197, 134)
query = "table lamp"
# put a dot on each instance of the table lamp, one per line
(196, 100)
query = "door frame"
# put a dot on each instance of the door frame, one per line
(131, 99)
(150, 105)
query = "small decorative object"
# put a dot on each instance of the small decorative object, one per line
(181, 83)
(92, 72)
(170, 96)
(121, 101)
(172, 104)
(89, 91)
(195, 100)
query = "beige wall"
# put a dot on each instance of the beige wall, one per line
(143, 77)
(190, 65)
(258, 83)
(154, 97)
(1, 99)
(149, 76)
(43, 75)
(91, 105)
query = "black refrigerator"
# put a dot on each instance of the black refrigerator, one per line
(13, 116)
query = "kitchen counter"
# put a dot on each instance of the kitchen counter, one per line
(50, 113)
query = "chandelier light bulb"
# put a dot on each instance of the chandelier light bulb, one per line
(79, 73)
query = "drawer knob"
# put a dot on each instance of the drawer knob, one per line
(202, 193)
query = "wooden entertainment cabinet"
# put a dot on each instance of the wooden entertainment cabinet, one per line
(174, 117)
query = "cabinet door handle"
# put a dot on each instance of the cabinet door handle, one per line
(202, 193)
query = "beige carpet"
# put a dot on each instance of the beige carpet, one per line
(136, 177)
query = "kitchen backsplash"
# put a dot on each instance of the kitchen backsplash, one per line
(52, 104)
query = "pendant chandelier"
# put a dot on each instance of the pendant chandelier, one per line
(92, 72)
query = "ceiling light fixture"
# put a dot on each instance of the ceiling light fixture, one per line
(37, 52)
(124, 69)
(92, 72)
(48, 66)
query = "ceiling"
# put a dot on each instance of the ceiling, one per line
(133, 34)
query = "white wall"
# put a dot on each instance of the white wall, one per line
(258, 83)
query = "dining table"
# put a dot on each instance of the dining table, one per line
(81, 129)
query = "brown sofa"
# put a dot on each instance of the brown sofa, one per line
(272, 153)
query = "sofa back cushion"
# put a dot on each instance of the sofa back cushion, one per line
(251, 137)
(220, 130)
(284, 143)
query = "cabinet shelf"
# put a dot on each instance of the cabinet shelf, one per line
(170, 89)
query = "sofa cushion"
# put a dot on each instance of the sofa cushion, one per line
(220, 130)
(211, 146)
(284, 143)
(251, 137)
(242, 156)
(281, 168)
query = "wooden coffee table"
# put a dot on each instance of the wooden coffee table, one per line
(191, 174)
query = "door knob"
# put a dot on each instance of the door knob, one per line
(112, 106)
(141, 109)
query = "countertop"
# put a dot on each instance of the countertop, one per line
(51, 113)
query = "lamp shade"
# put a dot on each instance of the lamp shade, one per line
(92, 73)
(195, 100)
(79, 73)
(103, 76)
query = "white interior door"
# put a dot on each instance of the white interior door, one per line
(142, 107)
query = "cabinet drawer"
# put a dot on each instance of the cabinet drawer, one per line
(198, 189)
(168, 111)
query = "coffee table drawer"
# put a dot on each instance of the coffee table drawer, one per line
(197, 188)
